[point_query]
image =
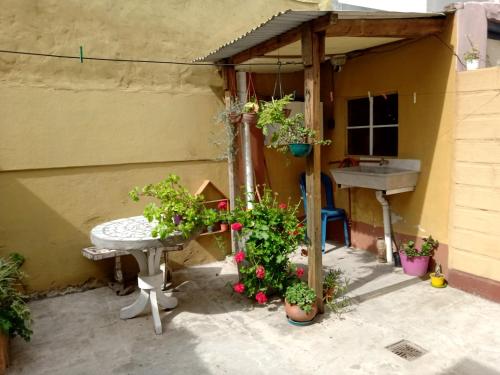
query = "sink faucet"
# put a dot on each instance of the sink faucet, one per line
(383, 162)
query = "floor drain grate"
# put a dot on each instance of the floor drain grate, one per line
(407, 350)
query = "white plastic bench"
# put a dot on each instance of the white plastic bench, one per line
(118, 284)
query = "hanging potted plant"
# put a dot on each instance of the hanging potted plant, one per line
(300, 303)
(472, 59)
(291, 133)
(415, 262)
(231, 115)
(250, 112)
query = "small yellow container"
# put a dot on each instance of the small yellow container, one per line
(437, 281)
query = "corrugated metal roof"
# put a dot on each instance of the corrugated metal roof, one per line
(290, 19)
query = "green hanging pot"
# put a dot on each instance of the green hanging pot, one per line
(300, 150)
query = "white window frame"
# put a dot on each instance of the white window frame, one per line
(371, 126)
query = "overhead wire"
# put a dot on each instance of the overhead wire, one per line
(170, 62)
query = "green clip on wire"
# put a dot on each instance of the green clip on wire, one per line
(81, 54)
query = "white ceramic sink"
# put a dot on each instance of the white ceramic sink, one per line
(398, 174)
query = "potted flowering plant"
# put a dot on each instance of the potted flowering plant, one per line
(222, 216)
(177, 211)
(300, 302)
(414, 261)
(15, 316)
(268, 234)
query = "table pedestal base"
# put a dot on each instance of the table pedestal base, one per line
(150, 281)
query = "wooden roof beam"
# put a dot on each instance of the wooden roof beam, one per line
(291, 36)
(389, 28)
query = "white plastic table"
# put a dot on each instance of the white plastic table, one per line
(133, 234)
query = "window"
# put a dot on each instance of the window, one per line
(372, 126)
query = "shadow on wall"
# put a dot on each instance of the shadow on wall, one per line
(425, 133)
(50, 243)
(48, 214)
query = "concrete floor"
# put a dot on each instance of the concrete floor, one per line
(213, 331)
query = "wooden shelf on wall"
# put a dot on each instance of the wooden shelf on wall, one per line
(212, 196)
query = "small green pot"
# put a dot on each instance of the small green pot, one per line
(300, 150)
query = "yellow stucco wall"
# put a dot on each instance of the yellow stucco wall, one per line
(475, 203)
(427, 68)
(74, 138)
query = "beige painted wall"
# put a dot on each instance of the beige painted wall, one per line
(74, 138)
(475, 204)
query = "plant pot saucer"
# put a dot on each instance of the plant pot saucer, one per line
(440, 287)
(299, 324)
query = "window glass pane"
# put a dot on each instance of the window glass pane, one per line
(358, 111)
(358, 141)
(385, 109)
(385, 141)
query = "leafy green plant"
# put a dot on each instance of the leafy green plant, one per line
(290, 129)
(335, 286)
(209, 217)
(15, 316)
(251, 106)
(302, 295)
(428, 247)
(178, 210)
(268, 233)
(229, 118)
(437, 271)
(471, 55)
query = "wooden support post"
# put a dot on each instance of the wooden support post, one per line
(232, 170)
(312, 47)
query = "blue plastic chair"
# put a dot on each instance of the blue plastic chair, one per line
(328, 213)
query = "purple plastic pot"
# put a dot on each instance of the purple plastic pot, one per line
(177, 219)
(414, 266)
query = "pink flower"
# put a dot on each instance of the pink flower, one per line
(260, 272)
(261, 298)
(299, 272)
(239, 288)
(236, 226)
(222, 206)
(239, 257)
(282, 206)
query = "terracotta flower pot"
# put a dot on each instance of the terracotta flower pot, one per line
(224, 227)
(287, 112)
(250, 118)
(235, 118)
(4, 352)
(328, 294)
(296, 314)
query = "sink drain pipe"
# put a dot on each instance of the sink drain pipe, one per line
(379, 194)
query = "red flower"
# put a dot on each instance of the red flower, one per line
(239, 288)
(282, 206)
(300, 225)
(222, 206)
(239, 256)
(260, 272)
(236, 226)
(261, 298)
(300, 272)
